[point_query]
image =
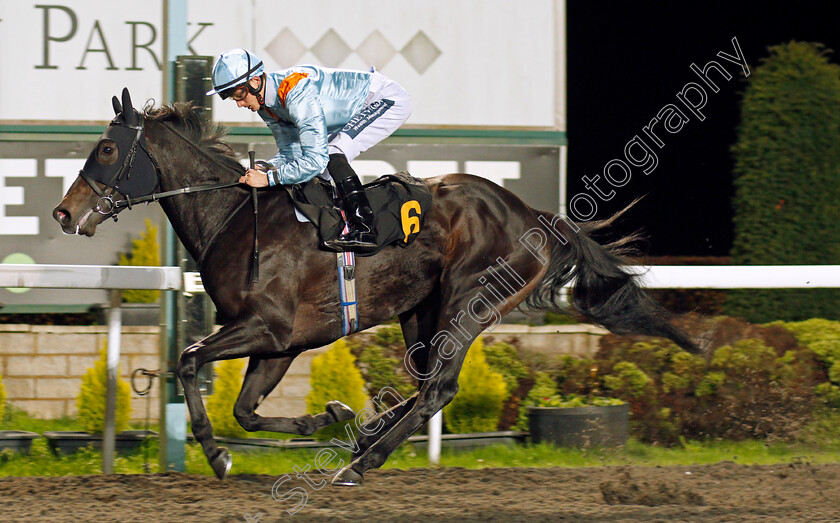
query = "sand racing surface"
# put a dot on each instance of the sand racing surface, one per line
(721, 492)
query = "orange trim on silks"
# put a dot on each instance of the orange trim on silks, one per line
(288, 84)
(271, 113)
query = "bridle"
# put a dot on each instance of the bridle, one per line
(109, 207)
(106, 205)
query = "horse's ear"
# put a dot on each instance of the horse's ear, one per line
(117, 107)
(129, 115)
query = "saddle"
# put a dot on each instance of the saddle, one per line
(399, 202)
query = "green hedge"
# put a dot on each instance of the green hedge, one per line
(757, 381)
(822, 337)
(504, 358)
(787, 179)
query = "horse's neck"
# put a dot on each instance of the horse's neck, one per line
(195, 217)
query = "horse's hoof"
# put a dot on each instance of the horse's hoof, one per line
(347, 477)
(340, 411)
(221, 463)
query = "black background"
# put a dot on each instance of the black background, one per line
(626, 60)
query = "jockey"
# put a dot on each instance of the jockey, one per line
(321, 119)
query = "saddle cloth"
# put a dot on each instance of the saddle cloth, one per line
(399, 202)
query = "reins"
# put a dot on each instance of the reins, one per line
(128, 202)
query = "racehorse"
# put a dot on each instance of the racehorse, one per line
(480, 254)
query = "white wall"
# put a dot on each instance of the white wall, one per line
(476, 62)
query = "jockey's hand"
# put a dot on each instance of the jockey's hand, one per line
(255, 178)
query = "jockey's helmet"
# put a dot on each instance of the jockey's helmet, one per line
(232, 69)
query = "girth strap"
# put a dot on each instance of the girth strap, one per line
(346, 262)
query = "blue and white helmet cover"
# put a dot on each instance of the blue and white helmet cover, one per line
(234, 68)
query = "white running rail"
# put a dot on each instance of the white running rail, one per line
(114, 278)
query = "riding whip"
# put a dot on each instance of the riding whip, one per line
(255, 267)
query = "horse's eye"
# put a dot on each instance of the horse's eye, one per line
(106, 153)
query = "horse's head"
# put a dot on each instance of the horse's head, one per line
(119, 168)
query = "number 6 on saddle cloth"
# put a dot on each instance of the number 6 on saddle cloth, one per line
(399, 202)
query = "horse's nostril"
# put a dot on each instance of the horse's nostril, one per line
(61, 216)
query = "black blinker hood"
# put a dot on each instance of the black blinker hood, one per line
(134, 173)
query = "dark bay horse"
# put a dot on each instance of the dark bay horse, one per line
(481, 253)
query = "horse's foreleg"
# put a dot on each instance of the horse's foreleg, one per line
(261, 378)
(235, 340)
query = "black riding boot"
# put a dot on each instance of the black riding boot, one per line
(362, 234)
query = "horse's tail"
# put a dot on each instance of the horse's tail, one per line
(602, 291)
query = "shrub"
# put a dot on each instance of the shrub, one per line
(710, 384)
(745, 358)
(545, 394)
(819, 335)
(787, 163)
(641, 383)
(575, 375)
(2, 399)
(390, 335)
(481, 393)
(544, 388)
(504, 358)
(628, 380)
(380, 371)
(92, 397)
(686, 372)
(574, 400)
(145, 251)
(334, 376)
(748, 388)
(379, 357)
(822, 337)
(651, 355)
(226, 387)
(829, 394)
(752, 392)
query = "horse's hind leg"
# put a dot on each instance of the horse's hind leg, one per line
(434, 393)
(466, 310)
(381, 423)
(414, 323)
(261, 378)
(439, 383)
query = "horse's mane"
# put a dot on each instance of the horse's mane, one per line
(206, 135)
